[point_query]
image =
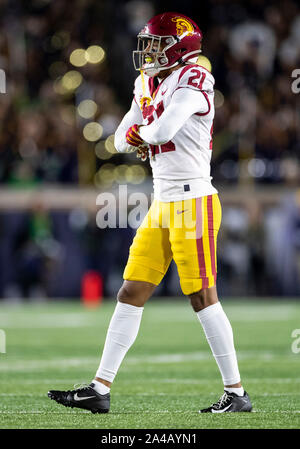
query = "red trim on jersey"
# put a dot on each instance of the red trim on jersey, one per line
(177, 89)
(152, 89)
(151, 85)
(158, 87)
(199, 239)
(210, 217)
(208, 102)
(185, 69)
(211, 137)
(205, 95)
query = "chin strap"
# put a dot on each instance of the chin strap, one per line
(143, 83)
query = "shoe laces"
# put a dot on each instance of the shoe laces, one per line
(81, 386)
(224, 399)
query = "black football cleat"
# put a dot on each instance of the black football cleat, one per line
(230, 402)
(83, 397)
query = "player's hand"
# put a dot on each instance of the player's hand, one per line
(142, 153)
(132, 136)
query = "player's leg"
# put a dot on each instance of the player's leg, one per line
(121, 334)
(218, 332)
(194, 252)
(149, 258)
(122, 331)
(219, 335)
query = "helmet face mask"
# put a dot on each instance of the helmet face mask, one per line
(150, 55)
(167, 40)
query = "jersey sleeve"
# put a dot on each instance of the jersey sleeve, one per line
(137, 89)
(184, 103)
(133, 116)
(197, 78)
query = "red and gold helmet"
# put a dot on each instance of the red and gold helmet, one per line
(166, 40)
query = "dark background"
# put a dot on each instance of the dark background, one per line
(253, 47)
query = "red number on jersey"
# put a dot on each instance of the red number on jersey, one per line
(148, 113)
(160, 109)
(169, 146)
(192, 79)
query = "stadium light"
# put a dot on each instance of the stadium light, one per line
(218, 99)
(105, 175)
(120, 173)
(92, 131)
(87, 109)
(204, 61)
(101, 151)
(135, 174)
(77, 57)
(109, 144)
(94, 54)
(59, 88)
(71, 80)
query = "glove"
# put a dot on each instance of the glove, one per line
(132, 136)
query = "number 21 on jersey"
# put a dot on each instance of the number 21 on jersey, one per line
(148, 112)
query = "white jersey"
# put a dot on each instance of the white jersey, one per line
(181, 165)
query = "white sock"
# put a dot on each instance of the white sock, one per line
(121, 334)
(218, 331)
(100, 387)
(239, 391)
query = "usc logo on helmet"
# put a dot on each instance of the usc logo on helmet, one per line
(183, 26)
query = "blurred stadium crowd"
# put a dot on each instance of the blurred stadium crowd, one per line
(69, 82)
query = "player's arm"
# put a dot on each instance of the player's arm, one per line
(185, 102)
(133, 116)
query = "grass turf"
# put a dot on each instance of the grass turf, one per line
(165, 378)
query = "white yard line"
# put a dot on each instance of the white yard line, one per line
(43, 321)
(36, 365)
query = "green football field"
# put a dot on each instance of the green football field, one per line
(166, 376)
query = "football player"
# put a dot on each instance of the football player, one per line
(171, 122)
